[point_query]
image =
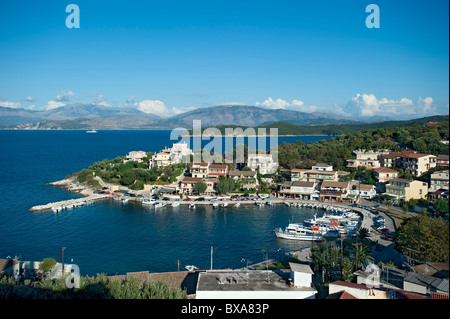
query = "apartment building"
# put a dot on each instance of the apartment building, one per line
(439, 180)
(410, 161)
(406, 189)
(384, 174)
(264, 162)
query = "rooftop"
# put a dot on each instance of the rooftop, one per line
(246, 280)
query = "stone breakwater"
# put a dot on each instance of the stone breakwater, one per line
(67, 204)
(72, 185)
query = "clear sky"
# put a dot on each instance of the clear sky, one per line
(166, 57)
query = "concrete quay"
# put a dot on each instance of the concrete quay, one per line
(67, 204)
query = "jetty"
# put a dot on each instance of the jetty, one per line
(68, 204)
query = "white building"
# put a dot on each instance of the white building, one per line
(135, 156)
(178, 153)
(264, 162)
(322, 167)
(257, 284)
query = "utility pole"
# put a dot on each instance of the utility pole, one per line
(342, 260)
(211, 257)
(62, 272)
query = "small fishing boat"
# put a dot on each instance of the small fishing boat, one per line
(126, 200)
(225, 204)
(175, 204)
(258, 203)
(191, 268)
(191, 206)
(160, 204)
(148, 201)
(237, 205)
(215, 205)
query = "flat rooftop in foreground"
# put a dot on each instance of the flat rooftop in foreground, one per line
(247, 280)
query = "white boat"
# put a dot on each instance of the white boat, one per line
(124, 201)
(298, 232)
(160, 204)
(191, 268)
(91, 131)
(258, 203)
(215, 205)
(148, 201)
(175, 204)
(191, 206)
(56, 209)
(237, 205)
(269, 203)
(351, 224)
(225, 204)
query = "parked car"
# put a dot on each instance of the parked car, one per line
(377, 206)
(390, 236)
(187, 199)
(384, 231)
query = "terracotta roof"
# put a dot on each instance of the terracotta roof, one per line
(437, 295)
(200, 164)
(385, 170)
(335, 184)
(341, 295)
(222, 166)
(349, 284)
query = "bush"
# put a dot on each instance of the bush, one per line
(47, 264)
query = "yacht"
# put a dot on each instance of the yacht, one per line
(159, 204)
(148, 201)
(91, 131)
(298, 232)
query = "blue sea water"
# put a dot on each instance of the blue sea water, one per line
(109, 237)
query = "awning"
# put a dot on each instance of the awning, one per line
(168, 190)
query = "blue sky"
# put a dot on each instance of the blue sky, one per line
(166, 57)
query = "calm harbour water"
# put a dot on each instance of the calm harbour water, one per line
(109, 237)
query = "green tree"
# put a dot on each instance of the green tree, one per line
(128, 177)
(47, 264)
(225, 185)
(429, 236)
(441, 205)
(200, 187)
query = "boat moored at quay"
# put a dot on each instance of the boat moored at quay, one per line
(298, 232)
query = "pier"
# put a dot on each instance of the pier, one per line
(67, 204)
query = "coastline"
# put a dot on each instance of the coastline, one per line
(166, 129)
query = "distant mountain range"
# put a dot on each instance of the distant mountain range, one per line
(87, 116)
(93, 116)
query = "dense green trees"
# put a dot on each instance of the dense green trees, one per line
(200, 187)
(98, 287)
(225, 185)
(423, 138)
(428, 236)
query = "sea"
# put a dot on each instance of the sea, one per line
(114, 238)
